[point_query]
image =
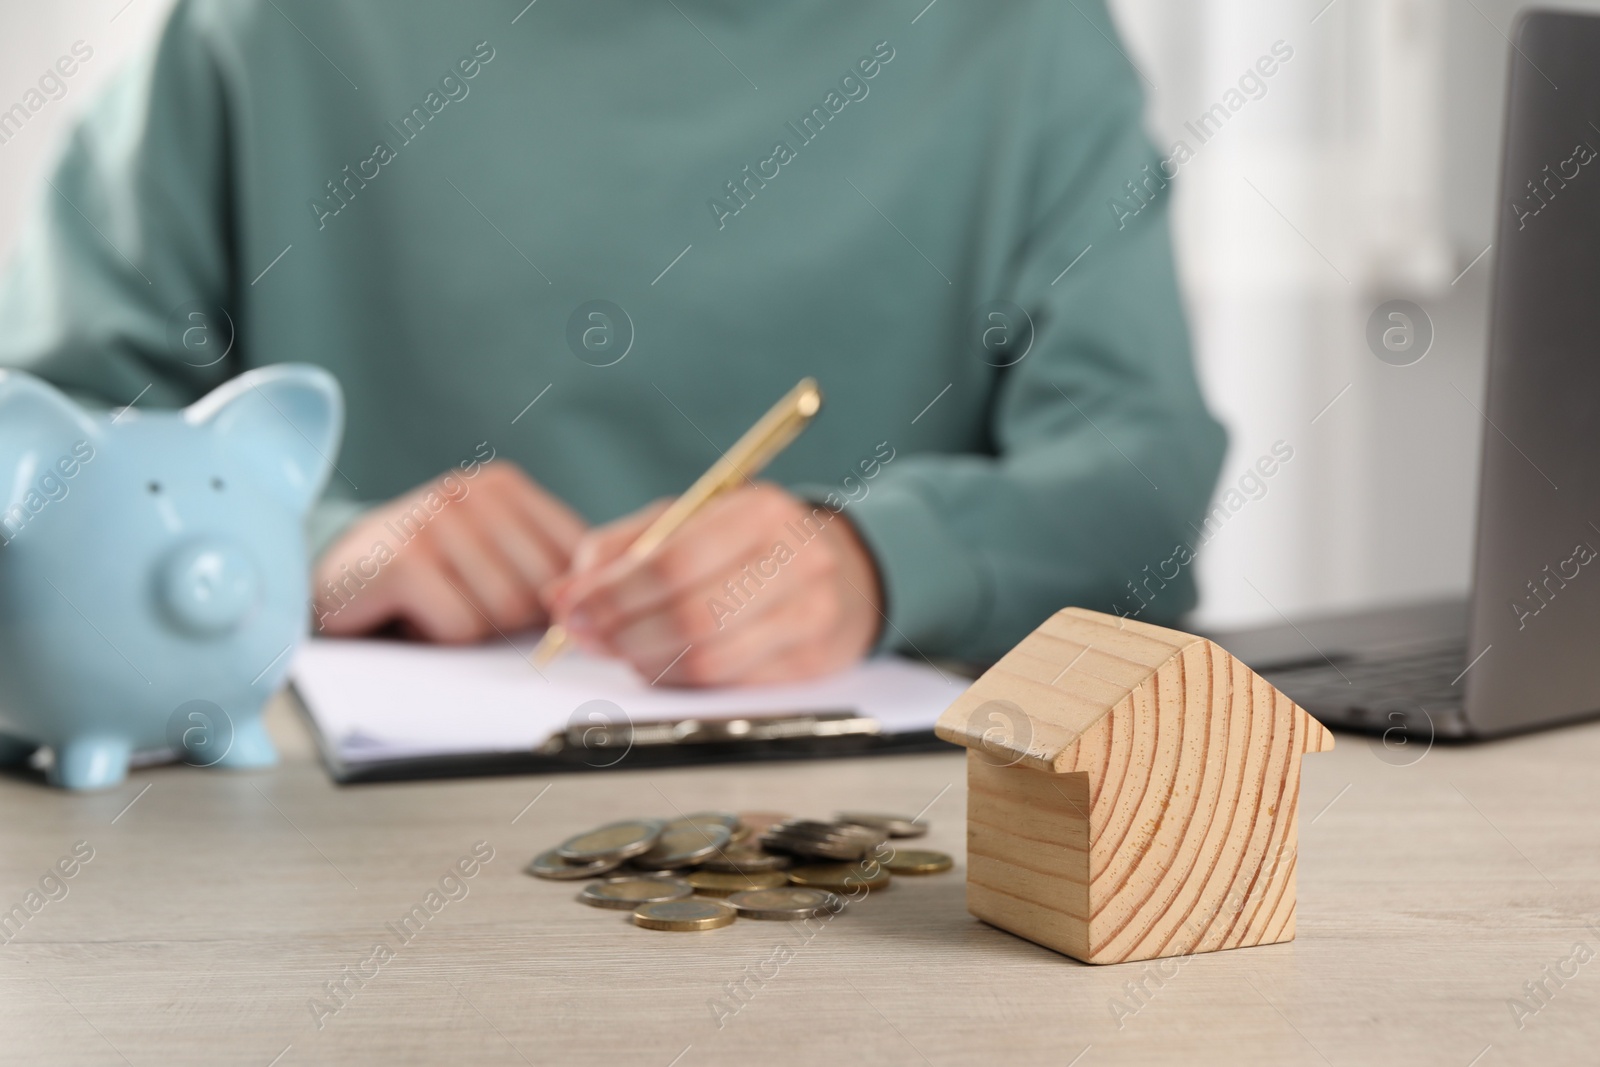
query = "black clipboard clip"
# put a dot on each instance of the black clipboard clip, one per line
(808, 726)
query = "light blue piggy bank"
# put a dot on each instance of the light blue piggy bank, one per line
(153, 576)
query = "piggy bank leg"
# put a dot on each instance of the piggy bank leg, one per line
(251, 746)
(90, 763)
(15, 750)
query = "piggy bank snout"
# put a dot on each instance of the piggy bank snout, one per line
(208, 586)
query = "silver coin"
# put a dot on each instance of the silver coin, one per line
(737, 830)
(815, 826)
(822, 840)
(744, 859)
(687, 844)
(549, 865)
(625, 894)
(634, 866)
(704, 818)
(793, 902)
(831, 831)
(618, 840)
(893, 825)
(811, 849)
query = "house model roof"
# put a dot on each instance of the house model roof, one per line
(1038, 705)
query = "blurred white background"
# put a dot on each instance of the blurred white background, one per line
(1366, 172)
(32, 37)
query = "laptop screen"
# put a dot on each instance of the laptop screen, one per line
(1535, 616)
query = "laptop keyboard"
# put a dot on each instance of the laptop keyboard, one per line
(1410, 688)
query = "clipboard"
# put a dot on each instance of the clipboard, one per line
(383, 711)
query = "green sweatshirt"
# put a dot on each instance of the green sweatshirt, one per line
(600, 239)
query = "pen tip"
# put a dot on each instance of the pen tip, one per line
(549, 646)
(810, 398)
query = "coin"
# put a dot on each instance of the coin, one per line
(745, 858)
(685, 844)
(737, 830)
(841, 876)
(761, 821)
(893, 825)
(691, 914)
(628, 893)
(619, 840)
(633, 866)
(726, 883)
(811, 850)
(707, 818)
(549, 865)
(812, 828)
(918, 861)
(795, 902)
(837, 841)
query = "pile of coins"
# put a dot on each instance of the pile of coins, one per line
(703, 871)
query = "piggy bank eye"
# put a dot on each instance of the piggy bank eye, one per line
(154, 487)
(216, 483)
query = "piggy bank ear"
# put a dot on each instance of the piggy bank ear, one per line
(38, 426)
(283, 422)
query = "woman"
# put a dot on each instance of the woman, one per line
(567, 253)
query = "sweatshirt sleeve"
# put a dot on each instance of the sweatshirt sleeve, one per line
(1103, 451)
(124, 284)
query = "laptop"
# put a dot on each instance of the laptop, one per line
(1523, 650)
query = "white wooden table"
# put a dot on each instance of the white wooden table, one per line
(217, 906)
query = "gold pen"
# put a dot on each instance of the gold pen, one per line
(748, 456)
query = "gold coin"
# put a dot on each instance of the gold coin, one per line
(625, 894)
(841, 877)
(726, 883)
(686, 843)
(692, 914)
(550, 865)
(619, 840)
(795, 902)
(918, 861)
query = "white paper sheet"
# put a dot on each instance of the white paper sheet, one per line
(377, 700)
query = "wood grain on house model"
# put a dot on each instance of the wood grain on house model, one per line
(1133, 792)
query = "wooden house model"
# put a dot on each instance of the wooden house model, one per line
(1132, 792)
